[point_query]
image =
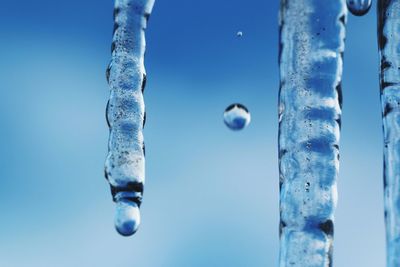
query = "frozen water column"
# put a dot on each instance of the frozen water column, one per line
(312, 36)
(389, 50)
(125, 163)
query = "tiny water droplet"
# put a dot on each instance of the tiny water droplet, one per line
(127, 217)
(239, 34)
(236, 117)
(359, 7)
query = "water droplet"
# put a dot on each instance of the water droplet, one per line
(239, 34)
(359, 7)
(237, 117)
(127, 217)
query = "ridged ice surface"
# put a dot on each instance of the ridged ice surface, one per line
(389, 42)
(125, 163)
(311, 45)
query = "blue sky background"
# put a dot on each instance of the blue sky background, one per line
(211, 196)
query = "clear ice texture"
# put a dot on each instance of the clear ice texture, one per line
(312, 34)
(125, 163)
(389, 40)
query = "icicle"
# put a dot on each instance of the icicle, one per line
(389, 41)
(125, 164)
(311, 46)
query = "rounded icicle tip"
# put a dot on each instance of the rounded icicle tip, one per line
(237, 117)
(127, 217)
(359, 7)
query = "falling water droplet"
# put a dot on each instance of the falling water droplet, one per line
(239, 34)
(127, 217)
(236, 117)
(359, 7)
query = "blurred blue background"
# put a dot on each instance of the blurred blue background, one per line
(211, 196)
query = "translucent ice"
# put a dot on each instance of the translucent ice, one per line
(389, 39)
(124, 167)
(311, 46)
